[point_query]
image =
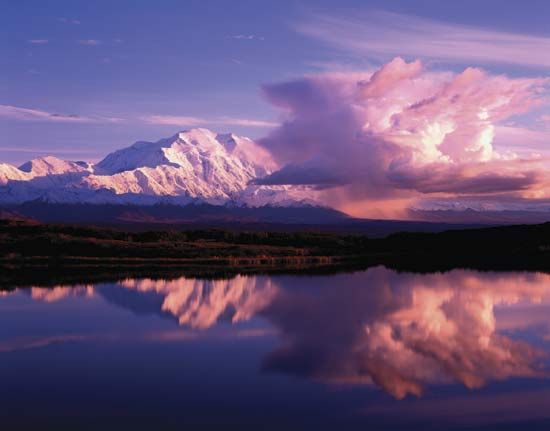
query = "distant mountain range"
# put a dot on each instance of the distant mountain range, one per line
(481, 217)
(195, 176)
(194, 166)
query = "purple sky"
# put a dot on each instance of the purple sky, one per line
(127, 67)
(80, 79)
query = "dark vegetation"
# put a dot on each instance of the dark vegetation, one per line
(27, 239)
(29, 249)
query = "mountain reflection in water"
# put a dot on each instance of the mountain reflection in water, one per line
(399, 331)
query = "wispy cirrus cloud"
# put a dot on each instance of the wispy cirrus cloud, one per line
(169, 120)
(545, 119)
(38, 41)
(26, 114)
(246, 37)
(89, 42)
(38, 342)
(523, 140)
(383, 34)
(231, 121)
(68, 21)
(175, 120)
(47, 151)
(29, 114)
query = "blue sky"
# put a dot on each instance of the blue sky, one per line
(126, 68)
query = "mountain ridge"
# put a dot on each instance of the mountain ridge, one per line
(196, 165)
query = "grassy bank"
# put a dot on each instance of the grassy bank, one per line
(33, 245)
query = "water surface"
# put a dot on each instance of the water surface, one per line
(374, 349)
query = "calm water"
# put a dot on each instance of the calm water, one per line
(367, 350)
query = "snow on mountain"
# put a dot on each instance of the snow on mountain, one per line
(283, 196)
(10, 173)
(41, 167)
(196, 165)
(52, 166)
(199, 304)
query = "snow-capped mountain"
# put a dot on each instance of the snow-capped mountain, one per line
(194, 166)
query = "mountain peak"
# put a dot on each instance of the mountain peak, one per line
(50, 165)
(45, 161)
(195, 165)
(189, 149)
(196, 133)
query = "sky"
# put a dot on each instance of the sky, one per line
(401, 102)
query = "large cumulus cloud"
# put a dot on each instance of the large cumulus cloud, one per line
(400, 130)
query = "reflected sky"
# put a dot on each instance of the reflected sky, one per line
(458, 350)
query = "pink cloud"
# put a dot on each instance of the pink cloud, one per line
(402, 128)
(522, 140)
(245, 295)
(403, 333)
(384, 79)
(177, 120)
(407, 331)
(382, 34)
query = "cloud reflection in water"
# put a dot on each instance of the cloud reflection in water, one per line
(398, 331)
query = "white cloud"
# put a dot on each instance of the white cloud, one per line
(244, 122)
(174, 120)
(89, 42)
(246, 37)
(38, 41)
(26, 114)
(385, 34)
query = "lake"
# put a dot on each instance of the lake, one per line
(374, 349)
